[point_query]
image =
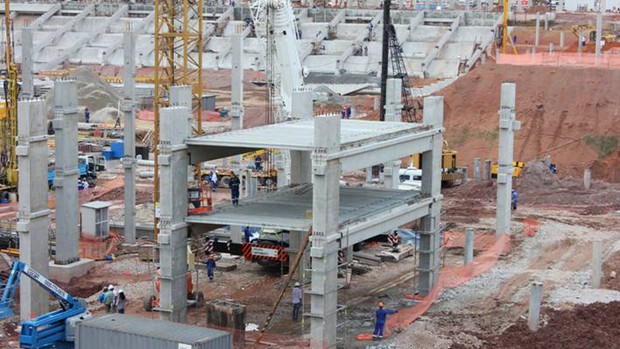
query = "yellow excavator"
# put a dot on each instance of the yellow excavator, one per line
(589, 31)
(451, 174)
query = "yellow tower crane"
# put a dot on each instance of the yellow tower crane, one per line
(8, 176)
(178, 32)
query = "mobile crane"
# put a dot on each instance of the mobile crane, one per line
(55, 329)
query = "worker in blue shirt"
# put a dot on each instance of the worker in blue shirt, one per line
(211, 266)
(515, 199)
(247, 233)
(380, 318)
(233, 184)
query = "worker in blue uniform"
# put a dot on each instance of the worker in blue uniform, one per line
(380, 318)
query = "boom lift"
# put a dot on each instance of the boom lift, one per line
(55, 329)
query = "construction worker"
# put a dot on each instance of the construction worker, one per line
(108, 299)
(233, 184)
(515, 199)
(211, 266)
(394, 240)
(380, 318)
(248, 234)
(87, 115)
(213, 179)
(258, 162)
(297, 298)
(117, 124)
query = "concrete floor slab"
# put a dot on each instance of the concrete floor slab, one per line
(291, 208)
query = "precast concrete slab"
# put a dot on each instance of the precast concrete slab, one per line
(64, 273)
(322, 63)
(427, 33)
(291, 209)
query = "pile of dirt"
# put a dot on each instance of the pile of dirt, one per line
(573, 123)
(591, 326)
(94, 93)
(611, 272)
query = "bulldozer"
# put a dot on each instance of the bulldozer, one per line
(589, 31)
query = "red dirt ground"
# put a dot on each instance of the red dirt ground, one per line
(557, 107)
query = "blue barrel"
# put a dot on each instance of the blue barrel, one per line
(117, 150)
(107, 154)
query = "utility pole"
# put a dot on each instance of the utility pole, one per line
(385, 56)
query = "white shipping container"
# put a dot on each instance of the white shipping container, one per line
(119, 331)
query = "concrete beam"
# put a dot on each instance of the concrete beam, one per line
(66, 177)
(129, 133)
(339, 18)
(53, 38)
(140, 28)
(302, 103)
(33, 214)
(415, 22)
(84, 42)
(38, 23)
(172, 238)
(442, 42)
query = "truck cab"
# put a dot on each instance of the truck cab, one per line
(410, 178)
(269, 244)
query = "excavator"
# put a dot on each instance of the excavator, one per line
(55, 329)
(589, 31)
(451, 174)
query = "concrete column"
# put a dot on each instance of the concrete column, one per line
(33, 212)
(587, 178)
(181, 96)
(250, 184)
(393, 113)
(546, 21)
(507, 126)
(597, 263)
(301, 167)
(551, 48)
(599, 28)
(487, 169)
(431, 185)
(66, 176)
(325, 213)
(477, 168)
(302, 106)
(129, 133)
(533, 318)
(173, 162)
(296, 238)
(469, 245)
(579, 43)
(562, 40)
(237, 111)
(537, 37)
(369, 174)
(27, 79)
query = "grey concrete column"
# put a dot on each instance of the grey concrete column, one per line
(537, 37)
(236, 113)
(551, 48)
(66, 176)
(173, 162)
(487, 169)
(301, 167)
(250, 184)
(533, 318)
(325, 214)
(597, 263)
(587, 178)
(561, 40)
(469, 245)
(391, 174)
(507, 126)
(393, 113)
(33, 212)
(181, 96)
(431, 185)
(129, 140)
(599, 28)
(546, 21)
(369, 174)
(302, 107)
(579, 43)
(27, 79)
(477, 168)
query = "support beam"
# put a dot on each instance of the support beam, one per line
(84, 42)
(27, 79)
(66, 176)
(599, 28)
(52, 39)
(597, 263)
(537, 37)
(469, 245)
(415, 22)
(393, 113)
(507, 126)
(129, 132)
(430, 238)
(430, 57)
(172, 238)
(533, 318)
(325, 208)
(33, 216)
(140, 28)
(237, 111)
(38, 23)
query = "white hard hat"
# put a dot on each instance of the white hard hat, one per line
(111, 287)
(121, 291)
(297, 284)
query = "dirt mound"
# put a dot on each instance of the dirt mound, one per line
(591, 326)
(92, 92)
(536, 175)
(612, 265)
(573, 123)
